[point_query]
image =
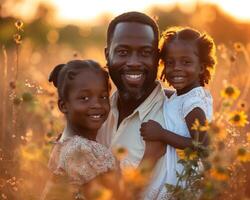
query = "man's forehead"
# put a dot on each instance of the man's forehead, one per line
(128, 30)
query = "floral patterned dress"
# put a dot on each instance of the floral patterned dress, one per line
(80, 160)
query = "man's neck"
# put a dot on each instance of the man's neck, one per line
(126, 106)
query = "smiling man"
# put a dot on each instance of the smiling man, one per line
(132, 60)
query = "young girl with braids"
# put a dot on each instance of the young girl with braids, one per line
(83, 97)
(188, 57)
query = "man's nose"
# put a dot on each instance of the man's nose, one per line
(133, 60)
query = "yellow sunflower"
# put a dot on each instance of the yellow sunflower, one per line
(219, 173)
(243, 155)
(238, 118)
(230, 92)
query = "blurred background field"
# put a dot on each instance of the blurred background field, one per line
(35, 36)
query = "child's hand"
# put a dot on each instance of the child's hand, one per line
(151, 130)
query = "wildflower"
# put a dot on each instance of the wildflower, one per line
(238, 46)
(19, 25)
(187, 154)
(17, 101)
(218, 132)
(134, 176)
(2, 182)
(248, 136)
(27, 97)
(102, 194)
(230, 92)
(120, 152)
(17, 38)
(198, 127)
(4, 196)
(219, 174)
(232, 58)
(243, 155)
(238, 118)
(30, 152)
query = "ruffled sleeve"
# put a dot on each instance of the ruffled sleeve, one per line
(81, 160)
(199, 98)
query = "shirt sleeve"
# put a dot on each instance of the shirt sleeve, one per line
(203, 102)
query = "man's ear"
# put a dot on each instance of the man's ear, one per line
(62, 106)
(106, 52)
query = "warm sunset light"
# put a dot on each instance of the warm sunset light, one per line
(80, 11)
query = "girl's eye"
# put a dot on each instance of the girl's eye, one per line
(169, 62)
(105, 97)
(84, 98)
(186, 62)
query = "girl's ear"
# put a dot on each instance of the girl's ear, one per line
(202, 68)
(62, 106)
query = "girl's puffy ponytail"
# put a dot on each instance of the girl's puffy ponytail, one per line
(53, 77)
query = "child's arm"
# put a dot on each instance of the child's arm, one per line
(153, 131)
(153, 151)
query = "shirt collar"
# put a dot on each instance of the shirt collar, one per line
(156, 96)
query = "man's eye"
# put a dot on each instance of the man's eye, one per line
(122, 52)
(146, 52)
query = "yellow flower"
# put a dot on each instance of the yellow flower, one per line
(219, 174)
(17, 38)
(186, 154)
(180, 153)
(230, 92)
(248, 136)
(238, 46)
(238, 118)
(120, 152)
(217, 132)
(134, 176)
(102, 194)
(198, 127)
(243, 155)
(30, 152)
(19, 25)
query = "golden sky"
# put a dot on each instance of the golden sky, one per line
(80, 11)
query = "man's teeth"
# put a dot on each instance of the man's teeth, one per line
(133, 76)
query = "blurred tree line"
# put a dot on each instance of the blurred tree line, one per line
(205, 17)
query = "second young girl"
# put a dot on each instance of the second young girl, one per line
(189, 58)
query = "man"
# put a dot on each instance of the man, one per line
(132, 59)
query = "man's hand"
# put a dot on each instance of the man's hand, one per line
(151, 131)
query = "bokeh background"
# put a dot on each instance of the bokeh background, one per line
(37, 35)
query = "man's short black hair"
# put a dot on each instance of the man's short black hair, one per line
(132, 17)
